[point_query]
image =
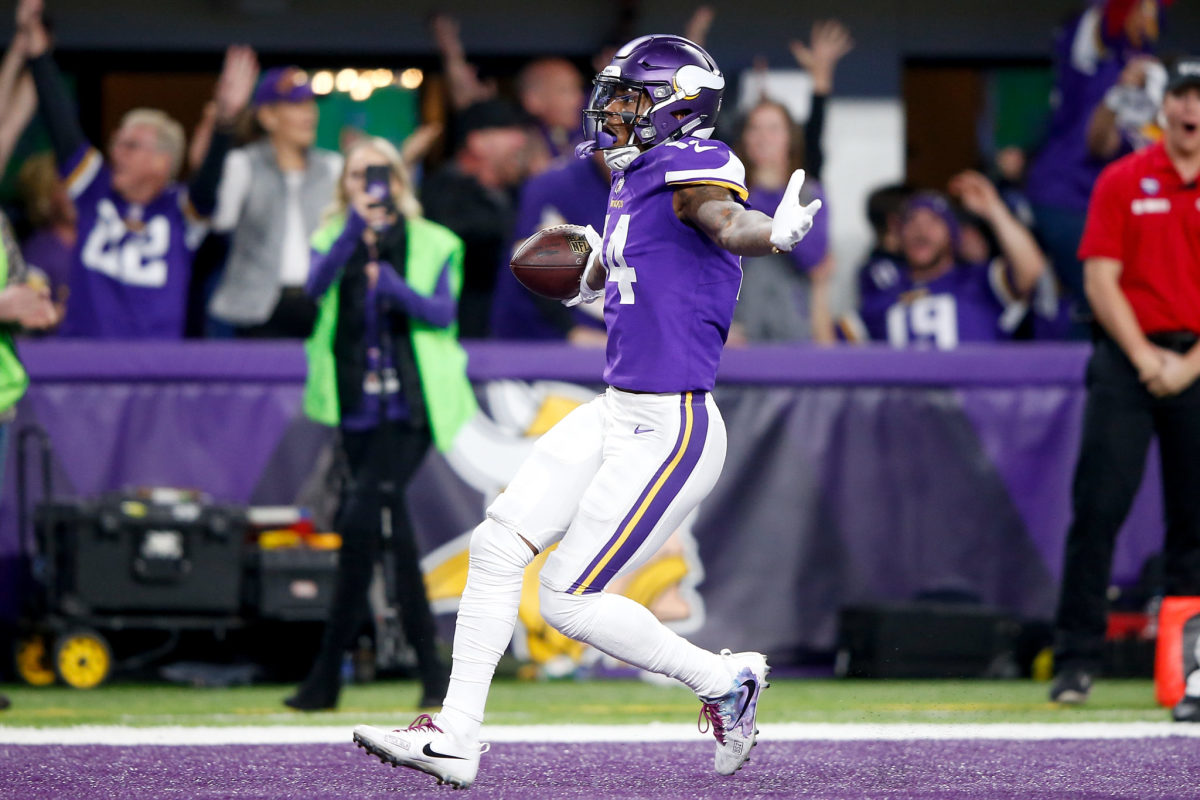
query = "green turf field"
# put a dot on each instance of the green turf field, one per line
(585, 702)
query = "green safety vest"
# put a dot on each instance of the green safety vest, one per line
(13, 379)
(441, 361)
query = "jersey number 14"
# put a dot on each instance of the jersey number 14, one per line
(619, 272)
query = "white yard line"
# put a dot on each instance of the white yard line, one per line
(654, 732)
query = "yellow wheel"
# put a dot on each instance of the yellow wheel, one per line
(82, 659)
(33, 660)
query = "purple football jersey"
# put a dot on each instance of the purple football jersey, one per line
(1063, 172)
(671, 289)
(131, 264)
(967, 304)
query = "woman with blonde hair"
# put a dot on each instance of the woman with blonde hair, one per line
(386, 368)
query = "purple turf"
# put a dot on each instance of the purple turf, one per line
(995, 770)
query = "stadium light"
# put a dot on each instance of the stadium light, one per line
(322, 82)
(411, 78)
(346, 80)
(362, 88)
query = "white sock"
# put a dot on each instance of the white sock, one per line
(626, 630)
(486, 616)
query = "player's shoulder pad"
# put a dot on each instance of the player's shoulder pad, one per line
(692, 161)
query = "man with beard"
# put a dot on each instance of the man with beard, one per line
(932, 298)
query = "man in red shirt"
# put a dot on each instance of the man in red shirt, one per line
(1141, 253)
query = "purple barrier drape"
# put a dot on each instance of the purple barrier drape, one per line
(853, 475)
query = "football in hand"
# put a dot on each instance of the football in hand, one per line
(551, 262)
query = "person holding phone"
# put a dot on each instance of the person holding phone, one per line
(386, 368)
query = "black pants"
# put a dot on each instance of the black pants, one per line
(373, 458)
(1119, 420)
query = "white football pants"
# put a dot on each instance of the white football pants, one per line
(609, 483)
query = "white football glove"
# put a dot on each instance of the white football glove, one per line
(792, 220)
(586, 293)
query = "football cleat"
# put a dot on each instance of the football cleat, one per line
(733, 716)
(426, 747)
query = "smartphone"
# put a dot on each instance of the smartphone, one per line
(379, 186)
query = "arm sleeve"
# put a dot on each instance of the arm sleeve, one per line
(66, 136)
(325, 265)
(438, 309)
(202, 188)
(232, 191)
(814, 130)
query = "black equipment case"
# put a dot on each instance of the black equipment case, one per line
(296, 584)
(927, 640)
(126, 555)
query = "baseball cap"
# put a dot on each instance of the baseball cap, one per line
(283, 85)
(938, 204)
(1184, 72)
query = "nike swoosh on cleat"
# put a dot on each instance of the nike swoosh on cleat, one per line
(429, 751)
(751, 686)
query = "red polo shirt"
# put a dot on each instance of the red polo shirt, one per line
(1143, 215)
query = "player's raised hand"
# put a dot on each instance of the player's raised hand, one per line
(792, 221)
(238, 76)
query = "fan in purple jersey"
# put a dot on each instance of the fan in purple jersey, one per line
(1091, 53)
(931, 297)
(138, 228)
(611, 481)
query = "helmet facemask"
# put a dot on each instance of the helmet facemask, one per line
(615, 120)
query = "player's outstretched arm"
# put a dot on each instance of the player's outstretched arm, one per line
(743, 231)
(713, 210)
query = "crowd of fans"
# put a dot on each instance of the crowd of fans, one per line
(112, 240)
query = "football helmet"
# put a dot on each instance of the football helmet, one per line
(671, 88)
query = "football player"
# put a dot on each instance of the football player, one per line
(612, 480)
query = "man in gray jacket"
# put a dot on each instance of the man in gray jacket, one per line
(272, 195)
